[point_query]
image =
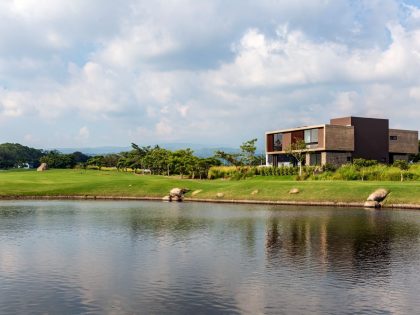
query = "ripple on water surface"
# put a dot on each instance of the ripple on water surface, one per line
(156, 258)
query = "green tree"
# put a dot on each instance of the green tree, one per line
(204, 165)
(297, 149)
(245, 157)
(17, 155)
(97, 161)
(55, 159)
(402, 165)
(231, 158)
(416, 157)
(183, 162)
(248, 149)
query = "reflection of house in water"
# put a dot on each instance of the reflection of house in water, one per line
(361, 243)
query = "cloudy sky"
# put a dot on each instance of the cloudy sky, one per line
(99, 72)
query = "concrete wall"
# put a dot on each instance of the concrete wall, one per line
(339, 138)
(407, 141)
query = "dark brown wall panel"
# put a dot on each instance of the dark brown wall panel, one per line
(371, 140)
(269, 142)
(297, 135)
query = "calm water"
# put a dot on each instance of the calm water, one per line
(190, 258)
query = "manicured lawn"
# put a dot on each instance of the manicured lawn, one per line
(112, 183)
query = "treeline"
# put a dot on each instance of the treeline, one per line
(156, 161)
(15, 155)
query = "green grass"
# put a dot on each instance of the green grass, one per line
(112, 183)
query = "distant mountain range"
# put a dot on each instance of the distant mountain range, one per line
(199, 150)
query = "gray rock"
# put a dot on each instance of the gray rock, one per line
(294, 191)
(378, 195)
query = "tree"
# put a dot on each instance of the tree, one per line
(97, 161)
(55, 159)
(245, 157)
(183, 162)
(402, 165)
(248, 149)
(297, 149)
(415, 157)
(204, 165)
(17, 155)
(79, 157)
(231, 158)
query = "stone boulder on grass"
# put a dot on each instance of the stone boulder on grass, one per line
(177, 194)
(42, 167)
(374, 200)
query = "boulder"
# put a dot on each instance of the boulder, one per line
(220, 195)
(177, 198)
(177, 194)
(378, 195)
(294, 191)
(372, 204)
(42, 167)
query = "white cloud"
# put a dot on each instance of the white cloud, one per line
(84, 133)
(204, 71)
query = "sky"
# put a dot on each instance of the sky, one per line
(86, 73)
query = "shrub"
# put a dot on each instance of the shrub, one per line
(347, 172)
(401, 164)
(364, 163)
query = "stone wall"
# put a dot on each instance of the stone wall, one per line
(339, 138)
(335, 158)
(403, 141)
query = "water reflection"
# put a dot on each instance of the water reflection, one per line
(131, 257)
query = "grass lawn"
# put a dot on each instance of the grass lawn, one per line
(113, 183)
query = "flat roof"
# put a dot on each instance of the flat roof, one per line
(297, 128)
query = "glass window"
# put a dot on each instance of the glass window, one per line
(315, 159)
(311, 136)
(393, 138)
(278, 142)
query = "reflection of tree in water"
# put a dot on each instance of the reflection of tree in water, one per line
(161, 224)
(358, 241)
(16, 211)
(273, 240)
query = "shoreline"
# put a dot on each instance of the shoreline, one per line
(207, 200)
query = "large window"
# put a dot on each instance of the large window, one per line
(315, 159)
(278, 142)
(311, 137)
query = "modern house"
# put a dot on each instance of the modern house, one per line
(343, 140)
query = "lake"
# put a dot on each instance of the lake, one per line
(95, 257)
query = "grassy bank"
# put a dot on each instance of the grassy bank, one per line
(112, 183)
